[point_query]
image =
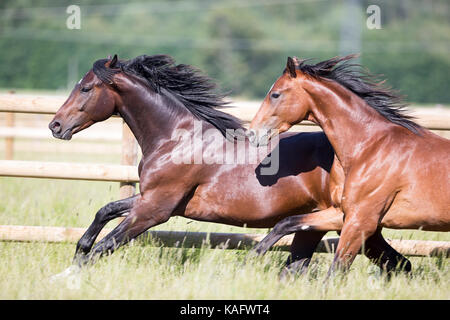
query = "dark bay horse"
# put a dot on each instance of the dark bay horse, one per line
(388, 170)
(158, 100)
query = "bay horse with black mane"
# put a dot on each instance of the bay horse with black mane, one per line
(388, 170)
(157, 99)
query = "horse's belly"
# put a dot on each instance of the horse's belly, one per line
(252, 207)
(418, 212)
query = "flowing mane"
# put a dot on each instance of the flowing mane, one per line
(358, 80)
(193, 89)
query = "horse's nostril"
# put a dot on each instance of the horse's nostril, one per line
(252, 137)
(55, 126)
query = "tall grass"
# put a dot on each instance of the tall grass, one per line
(145, 272)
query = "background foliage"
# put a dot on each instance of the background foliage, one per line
(243, 44)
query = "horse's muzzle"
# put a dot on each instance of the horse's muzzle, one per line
(56, 129)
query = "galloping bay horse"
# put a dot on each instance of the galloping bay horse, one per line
(157, 99)
(388, 170)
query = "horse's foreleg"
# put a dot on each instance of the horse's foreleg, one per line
(110, 211)
(144, 215)
(358, 227)
(330, 219)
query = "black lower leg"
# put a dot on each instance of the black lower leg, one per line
(282, 228)
(108, 244)
(131, 227)
(111, 211)
(302, 249)
(382, 254)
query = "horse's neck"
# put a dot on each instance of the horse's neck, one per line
(152, 120)
(347, 120)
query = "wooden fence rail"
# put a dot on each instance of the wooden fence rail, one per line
(214, 240)
(245, 111)
(44, 133)
(69, 170)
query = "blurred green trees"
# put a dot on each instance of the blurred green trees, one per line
(242, 44)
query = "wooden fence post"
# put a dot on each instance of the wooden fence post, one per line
(9, 141)
(129, 157)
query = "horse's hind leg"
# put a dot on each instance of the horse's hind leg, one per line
(302, 249)
(107, 213)
(330, 219)
(383, 255)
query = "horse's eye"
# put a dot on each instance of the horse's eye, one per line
(84, 89)
(275, 95)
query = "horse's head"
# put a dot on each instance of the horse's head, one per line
(285, 104)
(92, 100)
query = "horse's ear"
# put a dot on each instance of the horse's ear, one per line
(297, 61)
(290, 67)
(113, 62)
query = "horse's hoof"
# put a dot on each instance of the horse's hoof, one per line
(70, 275)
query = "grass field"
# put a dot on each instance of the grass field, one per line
(140, 271)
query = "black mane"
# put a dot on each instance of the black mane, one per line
(193, 89)
(353, 77)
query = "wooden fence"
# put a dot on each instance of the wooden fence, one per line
(126, 174)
